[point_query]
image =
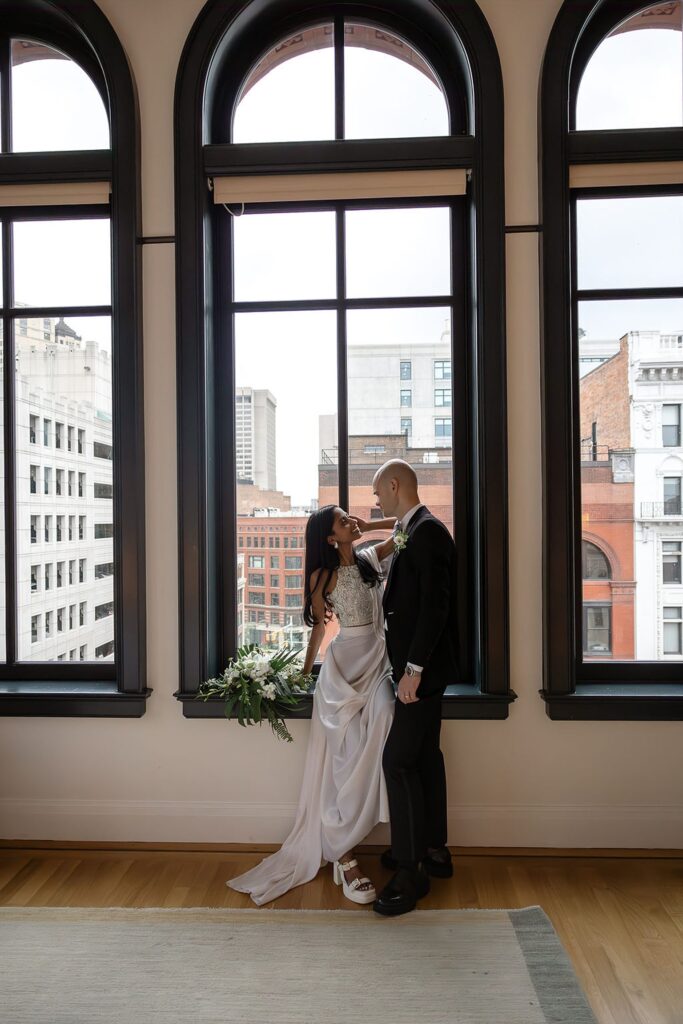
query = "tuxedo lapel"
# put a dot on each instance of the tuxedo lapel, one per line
(417, 518)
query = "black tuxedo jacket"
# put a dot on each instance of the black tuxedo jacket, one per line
(419, 605)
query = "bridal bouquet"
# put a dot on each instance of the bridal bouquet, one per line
(258, 685)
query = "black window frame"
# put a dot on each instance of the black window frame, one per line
(226, 41)
(79, 29)
(573, 690)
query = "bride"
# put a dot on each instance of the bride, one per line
(343, 793)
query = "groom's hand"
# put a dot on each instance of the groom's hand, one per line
(360, 523)
(407, 689)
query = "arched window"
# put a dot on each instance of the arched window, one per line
(595, 564)
(334, 183)
(71, 542)
(612, 195)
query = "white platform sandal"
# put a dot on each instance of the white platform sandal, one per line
(352, 890)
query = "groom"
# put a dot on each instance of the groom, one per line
(420, 623)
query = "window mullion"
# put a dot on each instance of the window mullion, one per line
(339, 76)
(342, 383)
(9, 446)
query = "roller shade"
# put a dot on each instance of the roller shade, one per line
(666, 172)
(283, 188)
(70, 193)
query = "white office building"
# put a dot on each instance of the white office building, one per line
(655, 369)
(64, 494)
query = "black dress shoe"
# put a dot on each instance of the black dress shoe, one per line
(401, 894)
(439, 866)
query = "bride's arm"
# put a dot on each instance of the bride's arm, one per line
(318, 631)
(385, 548)
(374, 524)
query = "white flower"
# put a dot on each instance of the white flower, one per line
(269, 691)
(400, 539)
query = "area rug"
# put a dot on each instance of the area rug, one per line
(215, 966)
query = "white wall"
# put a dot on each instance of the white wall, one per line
(525, 781)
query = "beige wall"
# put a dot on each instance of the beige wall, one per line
(524, 781)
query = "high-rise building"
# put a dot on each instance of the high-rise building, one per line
(255, 424)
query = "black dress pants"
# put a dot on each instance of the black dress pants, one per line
(416, 780)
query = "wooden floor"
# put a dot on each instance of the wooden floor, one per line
(619, 918)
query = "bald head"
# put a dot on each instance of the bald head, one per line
(395, 485)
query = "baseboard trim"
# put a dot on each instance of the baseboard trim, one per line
(88, 846)
(225, 825)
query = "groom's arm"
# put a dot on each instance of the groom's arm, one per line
(433, 595)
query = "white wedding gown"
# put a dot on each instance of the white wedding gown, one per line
(343, 793)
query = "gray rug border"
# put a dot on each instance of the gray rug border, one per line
(557, 981)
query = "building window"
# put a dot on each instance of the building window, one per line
(105, 650)
(257, 561)
(60, 574)
(48, 623)
(294, 582)
(83, 652)
(81, 527)
(47, 431)
(671, 561)
(671, 631)
(47, 480)
(255, 597)
(71, 483)
(81, 451)
(671, 425)
(81, 487)
(103, 611)
(48, 529)
(407, 426)
(611, 259)
(257, 579)
(59, 488)
(387, 307)
(70, 438)
(406, 398)
(33, 429)
(72, 524)
(48, 576)
(35, 521)
(60, 528)
(34, 480)
(595, 564)
(442, 429)
(35, 569)
(82, 607)
(597, 629)
(59, 435)
(72, 616)
(35, 623)
(60, 620)
(293, 562)
(72, 571)
(102, 451)
(293, 600)
(442, 369)
(102, 530)
(274, 561)
(104, 569)
(442, 397)
(82, 566)
(672, 495)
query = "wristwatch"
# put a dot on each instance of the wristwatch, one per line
(413, 670)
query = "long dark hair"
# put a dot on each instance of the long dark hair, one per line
(323, 556)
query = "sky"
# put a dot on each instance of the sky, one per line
(633, 80)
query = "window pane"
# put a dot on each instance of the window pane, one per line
(55, 105)
(391, 92)
(61, 263)
(286, 404)
(633, 79)
(284, 256)
(630, 354)
(3, 652)
(624, 243)
(67, 380)
(398, 252)
(289, 95)
(379, 340)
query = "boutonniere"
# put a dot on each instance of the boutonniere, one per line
(400, 539)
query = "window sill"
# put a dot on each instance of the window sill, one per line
(617, 702)
(70, 700)
(460, 701)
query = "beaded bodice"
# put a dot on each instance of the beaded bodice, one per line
(351, 599)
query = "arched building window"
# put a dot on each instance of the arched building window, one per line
(612, 199)
(340, 278)
(71, 458)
